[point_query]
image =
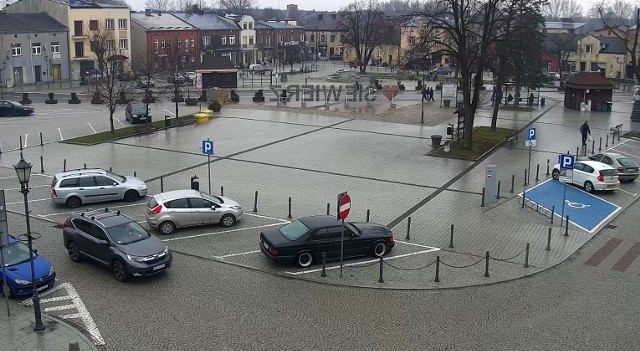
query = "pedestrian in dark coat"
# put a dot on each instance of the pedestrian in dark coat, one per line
(424, 93)
(585, 132)
(431, 94)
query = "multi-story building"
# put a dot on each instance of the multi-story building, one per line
(159, 35)
(281, 42)
(248, 48)
(34, 47)
(414, 52)
(600, 54)
(218, 35)
(387, 48)
(324, 35)
(87, 21)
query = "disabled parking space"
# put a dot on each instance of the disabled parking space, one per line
(586, 211)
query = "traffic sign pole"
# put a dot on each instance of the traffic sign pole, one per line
(343, 209)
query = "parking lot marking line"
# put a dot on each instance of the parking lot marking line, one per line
(236, 254)
(54, 299)
(119, 122)
(173, 114)
(414, 244)
(363, 262)
(628, 192)
(72, 316)
(60, 133)
(89, 209)
(626, 153)
(42, 175)
(264, 217)
(59, 308)
(90, 126)
(222, 232)
(21, 202)
(25, 139)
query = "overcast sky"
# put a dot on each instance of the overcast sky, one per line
(326, 5)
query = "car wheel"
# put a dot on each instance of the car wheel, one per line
(74, 202)
(228, 220)
(167, 227)
(379, 249)
(6, 290)
(304, 259)
(131, 196)
(588, 186)
(555, 174)
(119, 272)
(74, 252)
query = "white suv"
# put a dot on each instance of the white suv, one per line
(82, 186)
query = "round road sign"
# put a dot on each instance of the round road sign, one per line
(344, 206)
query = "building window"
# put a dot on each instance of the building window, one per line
(323, 38)
(93, 25)
(111, 44)
(244, 25)
(332, 38)
(232, 40)
(250, 40)
(302, 37)
(259, 40)
(206, 40)
(122, 23)
(155, 45)
(110, 24)
(313, 37)
(179, 43)
(224, 40)
(122, 44)
(55, 47)
(186, 45)
(77, 28)
(280, 38)
(244, 40)
(193, 42)
(16, 50)
(412, 40)
(36, 49)
(250, 25)
(79, 49)
(163, 43)
(589, 49)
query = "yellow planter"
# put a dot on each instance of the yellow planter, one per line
(201, 117)
(207, 112)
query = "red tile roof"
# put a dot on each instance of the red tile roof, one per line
(589, 80)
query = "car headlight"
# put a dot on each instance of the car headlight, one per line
(51, 271)
(23, 282)
(236, 207)
(136, 258)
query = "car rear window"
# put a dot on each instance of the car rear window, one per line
(294, 230)
(152, 203)
(54, 182)
(627, 162)
(608, 172)
(69, 183)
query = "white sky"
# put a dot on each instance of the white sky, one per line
(330, 5)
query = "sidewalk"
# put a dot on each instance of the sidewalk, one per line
(16, 332)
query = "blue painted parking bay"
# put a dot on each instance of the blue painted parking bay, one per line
(585, 210)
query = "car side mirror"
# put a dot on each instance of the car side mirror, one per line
(115, 183)
(103, 242)
(213, 208)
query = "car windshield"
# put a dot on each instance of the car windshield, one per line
(627, 162)
(294, 230)
(117, 176)
(15, 253)
(14, 103)
(212, 198)
(127, 233)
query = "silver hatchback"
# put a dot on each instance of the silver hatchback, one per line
(183, 208)
(82, 186)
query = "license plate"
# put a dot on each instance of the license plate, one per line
(266, 246)
(611, 186)
(160, 266)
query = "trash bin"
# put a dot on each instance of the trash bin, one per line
(436, 140)
(167, 121)
(195, 183)
(609, 106)
(542, 101)
(447, 103)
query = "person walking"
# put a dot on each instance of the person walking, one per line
(424, 93)
(431, 95)
(585, 131)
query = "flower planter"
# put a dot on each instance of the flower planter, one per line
(200, 117)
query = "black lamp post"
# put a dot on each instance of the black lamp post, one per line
(23, 169)
(46, 64)
(3, 81)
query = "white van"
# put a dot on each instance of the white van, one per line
(256, 67)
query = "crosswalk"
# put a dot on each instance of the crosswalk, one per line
(63, 301)
(616, 254)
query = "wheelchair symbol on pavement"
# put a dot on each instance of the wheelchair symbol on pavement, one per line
(576, 204)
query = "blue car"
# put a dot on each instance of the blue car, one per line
(18, 270)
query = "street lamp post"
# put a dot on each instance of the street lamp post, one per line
(46, 64)
(3, 81)
(23, 169)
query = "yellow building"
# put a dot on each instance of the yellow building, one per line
(84, 20)
(600, 54)
(413, 48)
(383, 55)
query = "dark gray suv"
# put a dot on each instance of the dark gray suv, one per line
(115, 241)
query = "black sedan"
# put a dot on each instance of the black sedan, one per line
(14, 108)
(303, 241)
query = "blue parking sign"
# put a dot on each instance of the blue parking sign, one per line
(207, 147)
(531, 134)
(566, 161)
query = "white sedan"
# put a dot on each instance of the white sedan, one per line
(591, 175)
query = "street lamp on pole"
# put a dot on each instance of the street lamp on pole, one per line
(3, 81)
(23, 170)
(46, 64)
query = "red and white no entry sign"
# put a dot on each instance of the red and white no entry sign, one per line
(344, 206)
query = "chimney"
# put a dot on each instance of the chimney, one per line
(147, 12)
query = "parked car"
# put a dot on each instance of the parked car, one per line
(182, 208)
(627, 168)
(190, 77)
(144, 82)
(335, 57)
(591, 175)
(442, 71)
(116, 241)
(14, 108)
(177, 79)
(17, 267)
(137, 113)
(82, 186)
(304, 240)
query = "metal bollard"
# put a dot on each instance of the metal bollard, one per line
(526, 256)
(553, 211)
(437, 279)
(513, 180)
(41, 143)
(109, 169)
(593, 147)
(613, 138)
(221, 190)
(525, 177)
(578, 151)
(64, 165)
(368, 212)
(21, 143)
(324, 263)
(606, 143)
(566, 227)
(451, 238)
(537, 172)
(600, 146)
(161, 184)
(74, 346)
(328, 208)
(549, 240)
(289, 216)
(255, 202)
(547, 168)
(524, 196)
(498, 192)
(408, 228)
(486, 265)
(482, 203)
(85, 166)
(135, 174)
(381, 279)
(537, 207)
(41, 164)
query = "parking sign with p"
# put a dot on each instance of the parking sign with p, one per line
(207, 147)
(566, 161)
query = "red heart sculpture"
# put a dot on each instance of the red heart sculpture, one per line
(390, 91)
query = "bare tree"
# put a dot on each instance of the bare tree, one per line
(158, 5)
(147, 69)
(561, 45)
(631, 39)
(238, 7)
(555, 9)
(183, 5)
(365, 28)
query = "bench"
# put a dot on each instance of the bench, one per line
(511, 139)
